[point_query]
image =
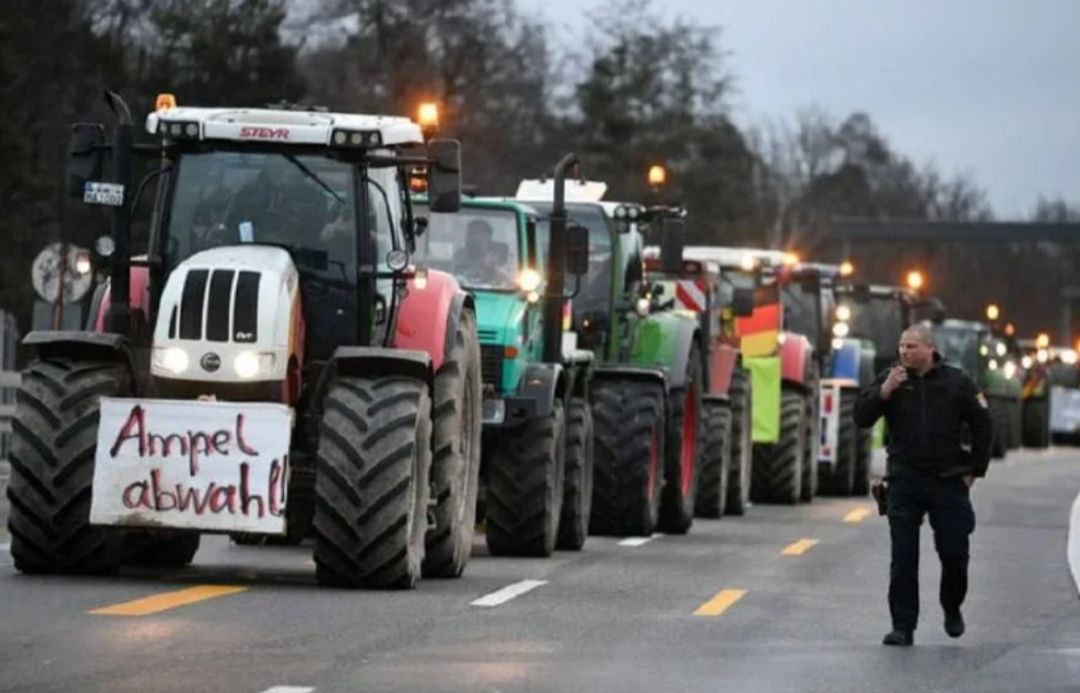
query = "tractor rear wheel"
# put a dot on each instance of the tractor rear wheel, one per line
(840, 480)
(742, 442)
(712, 492)
(455, 464)
(999, 420)
(54, 439)
(1036, 423)
(629, 433)
(683, 451)
(524, 473)
(371, 485)
(778, 466)
(1015, 424)
(809, 487)
(578, 483)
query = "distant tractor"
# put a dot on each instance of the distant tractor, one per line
(273, 366)
(700, 289)
(537, 461)
(971, 346)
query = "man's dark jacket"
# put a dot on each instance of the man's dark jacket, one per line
(927, 419)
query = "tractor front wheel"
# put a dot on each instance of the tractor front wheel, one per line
(742, 443)
(578, 484)
(54, 439)
(713, 481)
(683, 448)
(778, 467)
(371, 485)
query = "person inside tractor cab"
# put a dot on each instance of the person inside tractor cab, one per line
(281, 204)
(482, 261)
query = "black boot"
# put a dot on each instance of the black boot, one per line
(954, 623)
(901, 638)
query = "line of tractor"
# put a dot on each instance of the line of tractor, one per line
(327, 341)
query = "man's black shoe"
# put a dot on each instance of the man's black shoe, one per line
(903, 638)
(954, 624)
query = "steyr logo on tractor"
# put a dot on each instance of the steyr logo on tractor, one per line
(265, 133)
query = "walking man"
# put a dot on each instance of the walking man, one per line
(929, 408)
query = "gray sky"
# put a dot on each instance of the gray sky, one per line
(986, 87)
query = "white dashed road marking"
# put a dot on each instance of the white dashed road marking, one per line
(507, 593)
(289, 689)
(638, 541)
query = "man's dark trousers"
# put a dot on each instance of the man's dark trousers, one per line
(948, 503)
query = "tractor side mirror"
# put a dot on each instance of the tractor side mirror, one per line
(577, 249)
(86, 157)
(444, 175)
(742, 302)
(671, 245)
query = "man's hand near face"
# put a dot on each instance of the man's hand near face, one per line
(896, 377)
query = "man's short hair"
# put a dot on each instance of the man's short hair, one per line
(920, 332)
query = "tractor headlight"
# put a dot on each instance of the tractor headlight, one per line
(843, 313)
(1027, 362)
(172, 359)
(837, 344)
(840, 329)
(1000, 348)
(642, 306)
(993, 364)
(1009, 369)
(249, 364)
(528, 280)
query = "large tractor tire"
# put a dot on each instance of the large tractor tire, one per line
(864, 453)
(999, 419)
(54, 438)
(778, 467)
(712, 491)
(629, 432)
(809, 487)
(683, 448)
(174, 550)
(371, 485)
(840, 480)
(742, 443)
(455, 464)
(1016, 424)
(578, 482)
(1036, 423)
(524, 472)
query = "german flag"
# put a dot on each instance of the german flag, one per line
(759, 332)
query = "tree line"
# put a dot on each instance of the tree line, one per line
(633, 89)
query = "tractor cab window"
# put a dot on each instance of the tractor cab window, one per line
(594, 297)
(880, 320)
(305, 204)
(801, 311)
(481, 247)
(961, 346)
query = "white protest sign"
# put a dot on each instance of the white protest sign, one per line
(183, 464)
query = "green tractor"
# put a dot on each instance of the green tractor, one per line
(701, 290)
(986, 359)
(536, 460)
(648, 381)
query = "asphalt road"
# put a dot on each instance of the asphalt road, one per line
(784, 599)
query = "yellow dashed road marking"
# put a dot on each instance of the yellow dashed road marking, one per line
(168, 600)
(799, 548)
(857, 515)
(720, 603)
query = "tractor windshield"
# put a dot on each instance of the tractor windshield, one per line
(481, 247)
(595, 294)
(801, 311)
(304, 203)
(879, 319)
(960, 346)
